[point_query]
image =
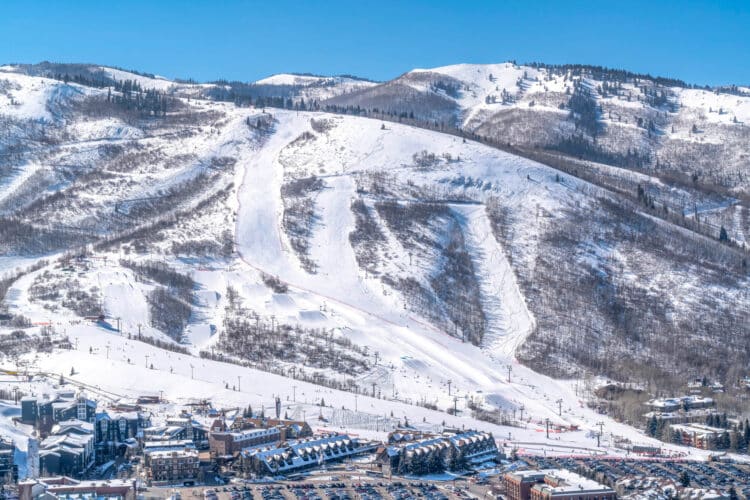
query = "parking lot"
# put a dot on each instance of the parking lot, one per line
(721, 475)
(330, 488)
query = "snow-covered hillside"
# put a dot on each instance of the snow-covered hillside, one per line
(378, 266)
(639, 121)
(312, 87)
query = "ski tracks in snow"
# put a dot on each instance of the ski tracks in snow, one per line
(509, 321)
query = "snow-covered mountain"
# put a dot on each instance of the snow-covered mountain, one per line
(662, 126)
(338, 253)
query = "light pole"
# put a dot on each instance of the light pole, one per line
(191, 370)
(239, 382)
(294, 394)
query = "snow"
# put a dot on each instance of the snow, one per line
(33, 98)
(416, 359)
(510, 321)
(424, 358)
(158, 83)
(290, 79)
(483, 80)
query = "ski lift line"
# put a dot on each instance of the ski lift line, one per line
(54, 376)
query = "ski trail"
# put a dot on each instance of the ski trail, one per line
(509, 321)
(260, 245)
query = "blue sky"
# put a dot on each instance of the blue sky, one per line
(698, 41)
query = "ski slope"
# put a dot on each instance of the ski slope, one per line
(418, 361)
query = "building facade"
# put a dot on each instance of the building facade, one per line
(68, 450)
(301, 455)
(554, 484)
(448, 451)
(45, 411)
(174, 466)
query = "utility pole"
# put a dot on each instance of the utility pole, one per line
(559, 406)
(294, 394)
(373, 389)
(118, 323)
(355, 402)
(546, 422)
(449, 386)
(599, 435)
(139, 329)
(191, 370)
(510, 368)
(455, 405)
(522, 408)
(239, 381)
(108, 353)
(377, 355)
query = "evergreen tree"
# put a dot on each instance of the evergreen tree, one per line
(652, 426)
(725, 441)
(684, 479)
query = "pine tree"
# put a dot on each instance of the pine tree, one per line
(684, 479)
